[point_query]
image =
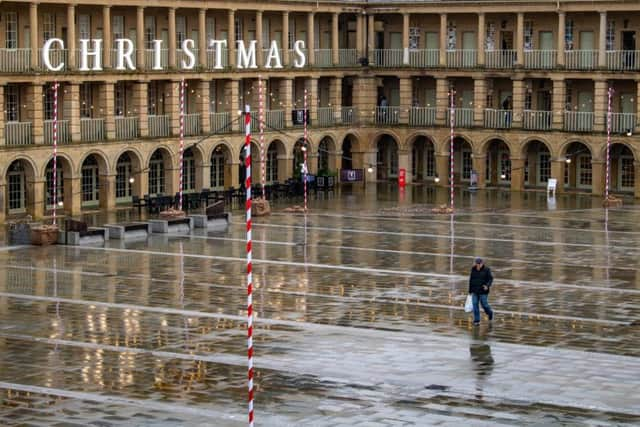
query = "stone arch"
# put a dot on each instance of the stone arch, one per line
(101, 158)
(33, 169)
(350, 144)
(572, 143)
(64, 181)
(277, 164)
(160, 171)
(497, 156)
(220, 164)
(20, 178)
(622, 167)
(327, 154)
(537, 154)
(482, 147)
(387, 156)
(229, 147)
(94, 176)
(524, 145)
(385, 133)
(128, 170)
(603, 150)
(443, 146)
(578, 165)
(423, 160)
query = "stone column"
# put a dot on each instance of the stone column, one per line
(479, 99)
(335, 40)
(371, 37)
(520, 39)
(602, 41)
(72, 195)
(481, 38)
(140, 101)
(405, 42)
(71, 37)
(600, 105)
(406, 95)
(480, 166)
(518, 103)
(33, 29)
(557, 172)
(442, 169)
(231, 23)
(172, 37)
(108, 101)
(364, 98)
(597, 177)
(285, 39)
(360, 36)
(335, 97)
(106, 36)
(202, 37)
(2, 140)
(37, 113)
(443, 39)
(442, 100)
(311, 84)
(74, 111)
(286, 96)
(203, 106)
(311, 37)
(140, 47)
(232, 93)
(173, 106)
(259, 40)
(561, 35)
(558, 103)
(517, 174)
(107, 191)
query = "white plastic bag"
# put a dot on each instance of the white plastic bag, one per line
(468, 304)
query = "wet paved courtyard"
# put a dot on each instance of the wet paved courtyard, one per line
(361, 326)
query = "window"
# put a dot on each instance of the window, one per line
(90, 182)
(467, 165)
(611, 35)
(86, 101)
(292, 31)
(120, 99)
(568, 34)
(59, 183)
(211, 29)
(84, 27)
(505, 166)
(627, 175)
(272, 164)
(156, 174)
(11, 30)
(189, 171)
(528, 35)
(238, 26)
(584, 162)
(149, 31)
(49, 101)
(487, 169)
(323, 156)
(181, 30)
(217, 169)
(123, 173)
(430, 161)
(16, 187)
(48, 26)
(414, 37)
(12, 103)
(152, 99)
(544, 167)
(117, 28)
(213, 91)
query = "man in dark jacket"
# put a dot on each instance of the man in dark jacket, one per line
(480, 281)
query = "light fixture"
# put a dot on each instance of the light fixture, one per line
(60, 203)
(131, 180)
(436, 179)
(568, 160)
(629, 132)
(503, 176)
(370, 169)
(304, 148)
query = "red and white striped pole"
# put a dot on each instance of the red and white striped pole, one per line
(306, 137)
(182, 84)
(247, 163)
(451, 123)
(261, 116)
(608, 164)
(55, 151)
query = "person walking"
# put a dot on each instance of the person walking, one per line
(480, 281)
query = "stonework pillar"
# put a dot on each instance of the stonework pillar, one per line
(442, 100)
(405, 39)
(231, 43)
(520, 39)
(481, 38)
(203, 106)
(406, 96)
(285, 39)
(106, 36)
(37, 113)
(335, 97)
(286, 96)
(480, 166)
(140, 102)
(172, 37)
(597, 177)
(561, 35)
(443, 39)
(107, 191)
(360, 36)
(364, 98)
(72, 195)
(335, 40)
(517, 103)
(71, 37)
(74, 111)
(517, 174)
(311, 84)
(371, 37)
(231, 92)
(33, 29)
(108, 101)
(558, 103)
(602, 41)
(600, 107)
(259, 40)
(311, 34)
(173, 106)
(140, 38)
(2, 140)
(202, 38)
(479, 99)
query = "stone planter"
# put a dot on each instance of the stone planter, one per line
(260, 207)
(442, 209)
(612, 202)
(44, 235)
(171, 214)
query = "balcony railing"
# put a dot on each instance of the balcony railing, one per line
(387, 115)
(623, 122)
(274, 119)
(149, 58)
(581, 59)
(224, 58)
(192, 124)
(326, 116)
(18, 133)
(126, 128)
(64, 134)
(540, 59)
(56, 57)
(463, 117)
(15, 60)
(497, 119)
(92, 130)
(159, 126)
(323, 58)
(537, 120)
(578, 121)
(424, 58)
(220, 122)
(388, 57)
(348, 57)
(349, 116)
(422, 116)
(462, 58)
(623, 60)
(500, 58)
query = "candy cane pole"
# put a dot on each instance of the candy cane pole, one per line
(451, 122)
(247, 162)
(181, 142)
(55, 151)
(261, 116)
(306, 136)
(608, 171)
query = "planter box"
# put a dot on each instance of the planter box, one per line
(44, 235)
(260, 207)
(612, 202)
(171, 214)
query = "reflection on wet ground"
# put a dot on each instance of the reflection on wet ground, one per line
(363, 325)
